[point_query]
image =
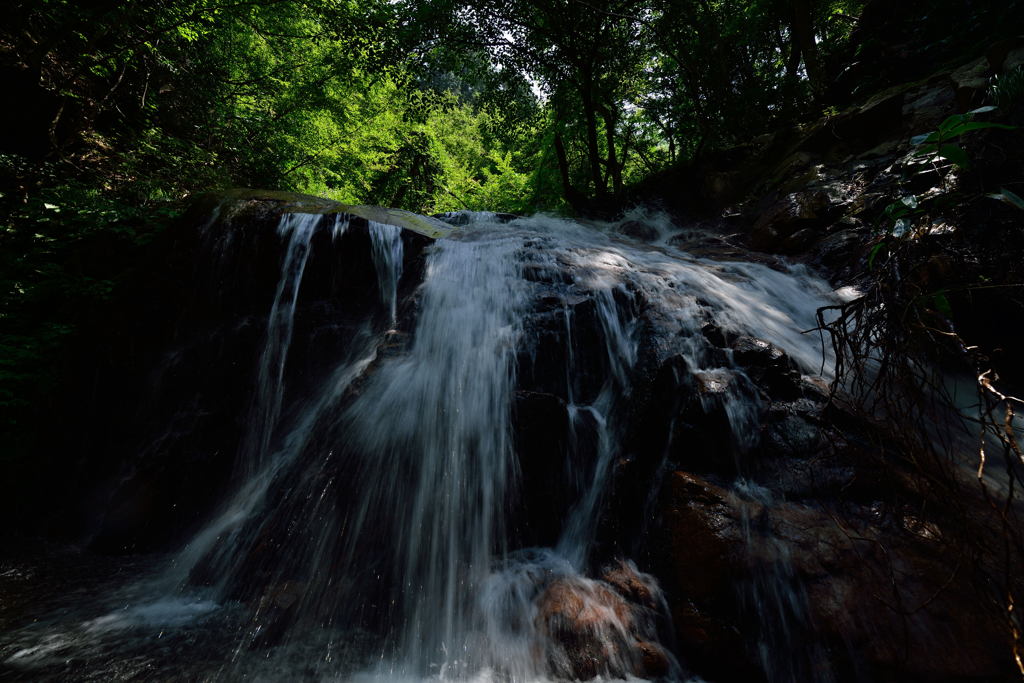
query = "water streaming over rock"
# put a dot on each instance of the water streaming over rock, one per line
(393, 515)
(387, 256)
(785, 645)
(433, 436)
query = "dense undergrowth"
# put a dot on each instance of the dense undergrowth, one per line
(930, 352)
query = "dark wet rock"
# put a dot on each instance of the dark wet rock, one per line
(654, 661)
(565, 325)
(793, 433)
(715, 335)
(840, 561)
(687, 418)
(1014, 59)
(462, 218)
(840, 556)
(801, 240)
(244, 204)
(721, 185)
(630, 584)
(588, 342)
(858, 127)
(699, 556)
(274, 613)
(715, 382)
(927, 106)
(970, 82)
(768, 366)
(703, 536)
(583, 624)
(794, 212)
(1005, 54)
(840, 250)
(638, 230)
(886, 150)
(815, 388)
(164, 465)
(541, 432)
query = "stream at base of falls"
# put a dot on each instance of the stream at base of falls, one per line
(386, 519)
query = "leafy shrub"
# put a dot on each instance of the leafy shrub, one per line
(1007, 90)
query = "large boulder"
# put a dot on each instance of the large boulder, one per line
(608, 628)
(970, 82)
(866, 588)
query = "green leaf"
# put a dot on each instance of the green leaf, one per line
(901, 228)
(968, 126)
(874, 252)
(902, 207)
(942, 304)
(956, 154)
(950, 123)
(928, 150)
(1010, 198)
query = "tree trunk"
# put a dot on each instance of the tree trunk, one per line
(575, 198)
(593, 150)
(614, 166)
(804, 43)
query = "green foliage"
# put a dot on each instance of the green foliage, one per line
(62, 252)
(1007, 90)
(942, 143)
(1008, 197)
(912, 217)
(902, 216)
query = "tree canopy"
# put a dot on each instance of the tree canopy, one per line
(428, 106)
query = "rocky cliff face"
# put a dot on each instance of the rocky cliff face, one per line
(158, 408)
(682, 491)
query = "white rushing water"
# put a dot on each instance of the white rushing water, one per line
(387, 257)
(433, 430)
(434, 427)
(397, 477)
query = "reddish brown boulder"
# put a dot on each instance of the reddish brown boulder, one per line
(638, 589)
(585, 628)
(608, 628)
(885, 599)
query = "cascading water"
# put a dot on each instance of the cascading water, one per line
(377, 526)
(387, 255)
(297, 229)
(432, 429)
(786, 648)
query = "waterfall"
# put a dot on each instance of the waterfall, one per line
(378, 522)
(297, 229)
(432, 431)
(387, 256)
